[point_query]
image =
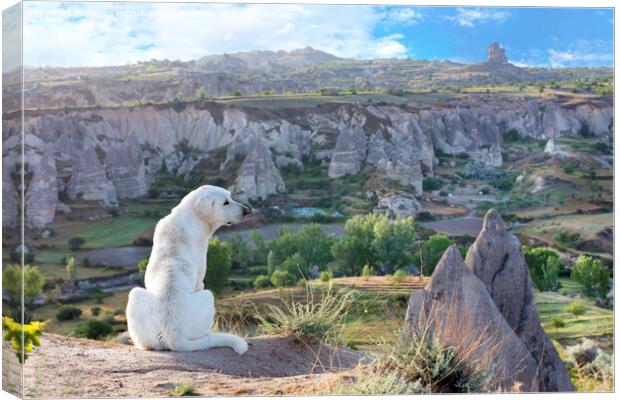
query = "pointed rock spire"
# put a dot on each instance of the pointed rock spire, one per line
(496, 258)
(457, 309)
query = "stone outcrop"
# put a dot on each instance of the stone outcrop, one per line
(399, 205)
(125, 167)
(10, 201)
(496, 54)
(41, 197)
(350, 151)
(111, 154)
(457, 309)
(89, 181)
(496, 258)
(258, 176)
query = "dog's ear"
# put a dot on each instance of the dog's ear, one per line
(203, 206)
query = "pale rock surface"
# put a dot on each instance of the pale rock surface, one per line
(496, 258)
(41, 197)
(457, 309)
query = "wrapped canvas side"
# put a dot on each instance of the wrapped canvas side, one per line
(13, 163)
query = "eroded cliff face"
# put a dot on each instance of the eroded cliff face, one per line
(110, 154)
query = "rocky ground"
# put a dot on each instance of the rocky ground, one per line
(70, 367)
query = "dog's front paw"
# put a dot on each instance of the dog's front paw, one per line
(240, 347)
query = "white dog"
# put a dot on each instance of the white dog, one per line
(175, 312)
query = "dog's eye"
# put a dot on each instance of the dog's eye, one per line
(226, 203)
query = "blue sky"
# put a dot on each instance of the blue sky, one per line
(91, 34)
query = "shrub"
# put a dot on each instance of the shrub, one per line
(431, 183)
(71, 272)
(16, 314)
(142, 264)
(66, 313)
(219, 264)
(570, 239)
(22, 337)
(544, 266)
(183, 389)
(592, 276)
(584, 352)
(262, 281)
(400, 276)
(95, 311)
(282, 279)
(512, 136)
(436, 368)
(576, 308)
(119, 311)
(325, 276)
(319, 318)
(557, 322)
(75, 243)
(12, 283)
(425, 216)
(94, 329)
(367, 272)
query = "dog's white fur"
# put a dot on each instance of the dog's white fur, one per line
(175, 312)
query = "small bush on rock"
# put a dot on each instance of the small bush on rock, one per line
(94, 329)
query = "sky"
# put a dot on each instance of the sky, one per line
(95, 34)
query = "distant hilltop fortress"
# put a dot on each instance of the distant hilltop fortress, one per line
(497, 54)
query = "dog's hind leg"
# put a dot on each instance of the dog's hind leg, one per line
(198, 315)
(141, 325)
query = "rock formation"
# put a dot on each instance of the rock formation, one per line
(10, 200)
(258, 176)
(350, 151)
(41, 197)
(497, 259)
(496, 54)
(125, 168)
(116, 153)
(89, 181)
(399, 205)
(456, 308)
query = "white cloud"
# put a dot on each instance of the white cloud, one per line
(469, 17)
(92, 34)
(582, 52)
(403, 16)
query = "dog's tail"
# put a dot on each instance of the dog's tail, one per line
(213, 339)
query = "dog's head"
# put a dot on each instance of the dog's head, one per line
(215, 206)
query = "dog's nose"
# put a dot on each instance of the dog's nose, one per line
(246, 211)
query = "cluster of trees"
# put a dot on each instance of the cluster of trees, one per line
(545, 269)
(370, 243)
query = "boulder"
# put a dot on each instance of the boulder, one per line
(457, 309)
(399, 205)
(496, 258)
(41, 197)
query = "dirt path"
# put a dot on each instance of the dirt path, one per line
(69, 367)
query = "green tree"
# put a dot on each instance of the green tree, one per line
(367, 272)
(309, 246)
(241, 254)
(261, 251)
(392, 243)
(75, 243)
(557, 322)
(262, 281)
(592, 276)
(431, 251)
(71, 272)
(544, 266)
(281, 279)
(12, 283)
(22, 337)
(354, 249)
(219, 264)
